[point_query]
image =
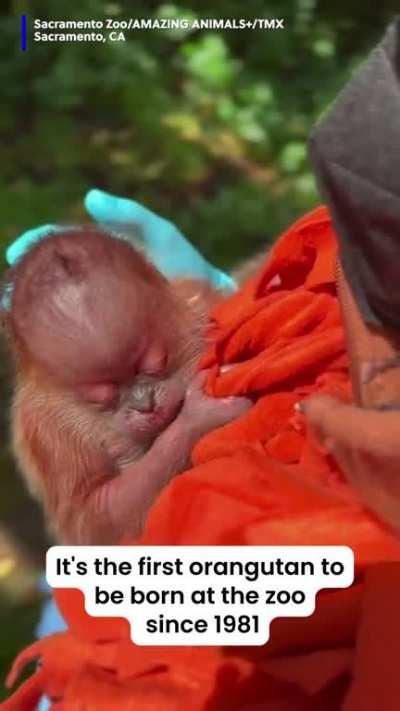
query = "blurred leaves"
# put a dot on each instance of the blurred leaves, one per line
(207, 127)
(208, 61)
(293, 156)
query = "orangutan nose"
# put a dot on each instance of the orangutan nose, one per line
(143, 397)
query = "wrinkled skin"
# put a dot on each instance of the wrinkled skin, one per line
(365, 444)
(364, 437)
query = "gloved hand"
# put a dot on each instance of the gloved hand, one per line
(164, 244)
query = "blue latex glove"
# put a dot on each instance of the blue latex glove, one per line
(18, 248)
(164, 244)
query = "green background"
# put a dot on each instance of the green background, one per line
(207, 128)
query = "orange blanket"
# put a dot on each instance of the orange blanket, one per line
(259, 480)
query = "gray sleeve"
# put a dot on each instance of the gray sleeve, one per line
(355, 152)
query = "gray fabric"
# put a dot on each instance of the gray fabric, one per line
(355, 151)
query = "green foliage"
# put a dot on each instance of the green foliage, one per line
(207, 127)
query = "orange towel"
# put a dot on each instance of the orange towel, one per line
(261, 480)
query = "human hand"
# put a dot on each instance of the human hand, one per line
(366, 445)
(164, 244)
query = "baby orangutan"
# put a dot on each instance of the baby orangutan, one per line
(107, 407)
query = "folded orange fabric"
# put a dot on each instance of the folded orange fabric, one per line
(258, 481)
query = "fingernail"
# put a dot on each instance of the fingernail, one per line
(225, 368)
(300, 407)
